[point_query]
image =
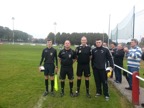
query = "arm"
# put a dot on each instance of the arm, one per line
(136, 54)
(42, 58)
(110, 58)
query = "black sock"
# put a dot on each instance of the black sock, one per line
(62, 86)
(46, 84)
(52, 85)
(87, 85)
(78, 84)
(71, 86)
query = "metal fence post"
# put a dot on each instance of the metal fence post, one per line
(135, 88)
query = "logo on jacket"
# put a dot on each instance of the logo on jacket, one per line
(69, 55)
(51, 54)
(102, 51)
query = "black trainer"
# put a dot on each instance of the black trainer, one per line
(88, 95)
(52, 94)
(71, 94)
(76, 94)
(61, 94)
(45, 93)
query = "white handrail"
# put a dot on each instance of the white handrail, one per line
(140, 78)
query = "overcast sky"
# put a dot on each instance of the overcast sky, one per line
(37, 17)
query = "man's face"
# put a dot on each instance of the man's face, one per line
(133, 43)
(67, 44)
(112, 46)
(49, 43)
(83, 40)
(119, 47)
(98, 43)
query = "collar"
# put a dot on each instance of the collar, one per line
(82, 45)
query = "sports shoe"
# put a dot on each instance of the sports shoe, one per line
(45, 93)
(71, 94)
(142, 105)
(97, 94)
(61, 94)
(88, 95)
(107, 98)
(52, 94)
(128, 88)
(76, 94)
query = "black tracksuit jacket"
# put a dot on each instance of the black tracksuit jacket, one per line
(100, 56)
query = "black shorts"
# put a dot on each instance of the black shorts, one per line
(83, 68)
(49, 69)
(66, 71)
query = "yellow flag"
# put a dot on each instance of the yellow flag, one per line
(56, 82)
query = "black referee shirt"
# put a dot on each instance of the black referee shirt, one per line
(67, 57)
(49, 55)
(83, 54)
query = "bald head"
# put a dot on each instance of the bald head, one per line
(84, 41)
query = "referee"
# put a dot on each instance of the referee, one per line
(83, 53)
(49, 55)
(100, 55)
(67, 57)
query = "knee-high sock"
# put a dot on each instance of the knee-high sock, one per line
(87, 85)
(46, 84)
(62, 86)
(78, 84)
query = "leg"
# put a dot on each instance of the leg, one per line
(87, 75)
(116, 74)
(119, 75)
(62, 77)
(104, 81)
(70, 77)
(79, 74)
(97, 81)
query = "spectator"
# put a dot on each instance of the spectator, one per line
(112, 50)
(118, 60)
(133, 60)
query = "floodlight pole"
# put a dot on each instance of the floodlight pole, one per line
(55, 24)
(13, 27)
(109, 30)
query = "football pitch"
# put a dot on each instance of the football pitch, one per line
(22, 85)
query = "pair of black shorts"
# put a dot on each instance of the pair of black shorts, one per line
(66, 71)
(49, 69)
(83, 68)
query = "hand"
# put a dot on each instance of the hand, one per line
(126, 49)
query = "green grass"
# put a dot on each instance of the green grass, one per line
(21, 85)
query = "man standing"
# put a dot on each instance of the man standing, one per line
(118, 60)
(67, 57)
(49, 55)
(83, 53)
(134, 57)
(100, 56)
(112, 50)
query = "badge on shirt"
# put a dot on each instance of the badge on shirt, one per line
(69, 55)
(51, 54)
(79, 51)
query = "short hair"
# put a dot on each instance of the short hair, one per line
(98, 39)
(135, 40)
(49, 40)
(114, 43)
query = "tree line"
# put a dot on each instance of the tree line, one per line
(6, 35)
(75, 38)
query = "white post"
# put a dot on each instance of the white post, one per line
(13, 27)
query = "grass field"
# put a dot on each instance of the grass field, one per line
(21, 85)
